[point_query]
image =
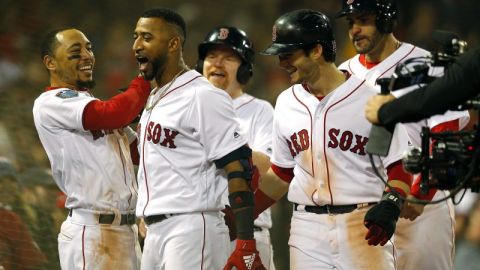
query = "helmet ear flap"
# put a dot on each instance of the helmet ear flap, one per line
(244, 72)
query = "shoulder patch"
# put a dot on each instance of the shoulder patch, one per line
(69, 93)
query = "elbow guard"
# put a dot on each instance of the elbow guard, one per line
(244, 156)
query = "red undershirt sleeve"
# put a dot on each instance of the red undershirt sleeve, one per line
(118, 111)
(286, 174)
(261, 200)
(398, 178)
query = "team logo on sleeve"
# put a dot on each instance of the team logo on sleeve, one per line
(68, 93)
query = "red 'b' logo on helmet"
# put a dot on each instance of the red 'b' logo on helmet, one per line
(223, 33)
(274, 33)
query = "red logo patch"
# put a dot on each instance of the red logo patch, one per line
(223, 33)
(238, 200)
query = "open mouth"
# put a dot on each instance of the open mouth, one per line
(86, 68)
(217, 74)
(358, 39)
(142, 63)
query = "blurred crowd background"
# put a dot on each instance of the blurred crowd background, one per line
(29, 196)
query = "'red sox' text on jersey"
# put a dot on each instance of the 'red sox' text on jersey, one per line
(336, 170)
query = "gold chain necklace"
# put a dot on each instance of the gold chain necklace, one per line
(159, 93)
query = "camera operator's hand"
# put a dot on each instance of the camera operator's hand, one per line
(374, 104)
(411, 210)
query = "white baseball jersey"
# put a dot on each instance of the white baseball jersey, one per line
(190, 127)
(411, 238)
(93, 168)
(324, 141)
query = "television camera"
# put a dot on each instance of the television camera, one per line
(446, 160)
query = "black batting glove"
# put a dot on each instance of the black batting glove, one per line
(382, 218)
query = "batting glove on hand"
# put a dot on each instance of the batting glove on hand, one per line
(230, 222)
(245, 256)
(381, 219)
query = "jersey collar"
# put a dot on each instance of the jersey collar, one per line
(363, 60)
(49, 88)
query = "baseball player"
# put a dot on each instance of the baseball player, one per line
(371, 23)
(88, 149)
(225, 59)
(183, 140)
(319, 155)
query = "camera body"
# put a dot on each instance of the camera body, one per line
(446, 160)
(452, 162)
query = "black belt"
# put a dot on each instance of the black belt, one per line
(126, 219)
(333, 209)
(159, 218)
(154, 219)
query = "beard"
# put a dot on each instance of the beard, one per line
(86, 84)
(158, 66)
(373, 42)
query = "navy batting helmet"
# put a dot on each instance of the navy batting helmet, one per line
(302, 28)
(235, 39)
(386, 11)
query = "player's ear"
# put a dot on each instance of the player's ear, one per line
(174, 43)
(49, 62)
(317, 51)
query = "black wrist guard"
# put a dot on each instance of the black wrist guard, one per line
(241, 203)
(394, 198)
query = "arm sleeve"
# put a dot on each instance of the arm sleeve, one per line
(286, 174)
(120, 110)
(398, 178)
(460, 83)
